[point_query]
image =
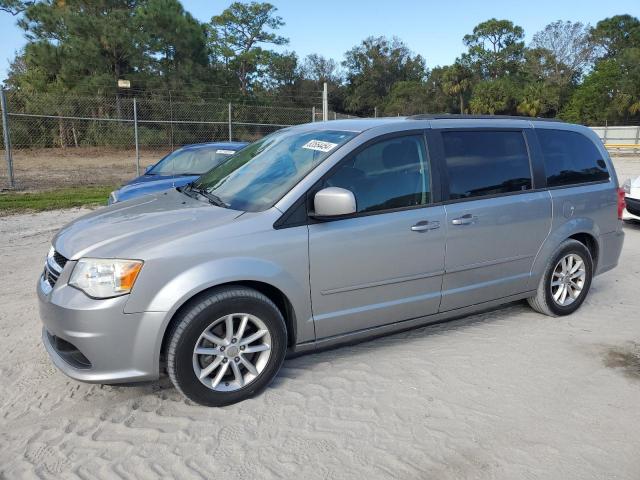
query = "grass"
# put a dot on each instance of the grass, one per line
(19, 202)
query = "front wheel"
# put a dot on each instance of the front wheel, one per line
(566, 280)
(226, 347)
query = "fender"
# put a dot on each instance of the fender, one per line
(203, 276)
(558, 235)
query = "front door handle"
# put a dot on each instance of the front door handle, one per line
(425, 226)
(467, 219)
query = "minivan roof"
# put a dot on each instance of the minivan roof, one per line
(362, 124)
(457, 116)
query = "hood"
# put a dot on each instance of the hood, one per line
(127, 229)
(146, 184)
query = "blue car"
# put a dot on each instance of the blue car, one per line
(179, 168)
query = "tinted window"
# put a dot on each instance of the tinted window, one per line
(389, 174)
(486, 163)
(570, 158)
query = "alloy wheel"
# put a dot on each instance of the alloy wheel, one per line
(568, 279)
(232, 352)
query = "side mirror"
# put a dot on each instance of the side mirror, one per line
(334, 202)
(149, 167)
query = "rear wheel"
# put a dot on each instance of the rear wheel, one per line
(226, 347)
(566, 280)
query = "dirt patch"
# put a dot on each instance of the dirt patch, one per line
(626, 358)
(50, 168)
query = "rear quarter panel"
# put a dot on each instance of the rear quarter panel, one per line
(587, 208)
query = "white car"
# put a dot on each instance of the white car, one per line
(632, 195)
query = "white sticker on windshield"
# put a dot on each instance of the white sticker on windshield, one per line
(226, 152)
(319, 145)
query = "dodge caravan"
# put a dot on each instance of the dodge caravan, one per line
(328, 233)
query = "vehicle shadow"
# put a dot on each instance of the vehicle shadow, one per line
(632, 223)
(297, 365)
(352, 350)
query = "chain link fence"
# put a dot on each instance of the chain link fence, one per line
(65, 140)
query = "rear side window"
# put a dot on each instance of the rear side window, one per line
(570, 158)
(483, 163)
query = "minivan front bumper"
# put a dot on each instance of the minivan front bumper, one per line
(94, 340)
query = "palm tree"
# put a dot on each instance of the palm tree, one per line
(457, 80)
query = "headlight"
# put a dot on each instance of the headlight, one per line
(626, 186)
(105, 277)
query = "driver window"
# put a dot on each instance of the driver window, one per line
(389, 174)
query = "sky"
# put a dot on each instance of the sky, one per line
(331, 27)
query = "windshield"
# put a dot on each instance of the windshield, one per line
(190, 161)
(262, 173)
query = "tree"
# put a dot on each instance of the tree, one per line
(237, 36)
(615, 34)
(570, 47)
(591, 102)
(283, 75)
(321, 69)
(610, 93)
(173, 43)
(407, 98)
(495, 48)
(81, 43)
(373, 67)
(538, 99)
(14, 7)
(493, 96)
(457, 82)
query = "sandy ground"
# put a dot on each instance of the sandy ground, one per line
(507, 394)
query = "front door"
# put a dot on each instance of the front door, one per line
(384, 264)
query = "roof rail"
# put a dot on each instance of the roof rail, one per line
(457, 116)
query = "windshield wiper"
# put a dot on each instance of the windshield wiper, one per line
(213, 199)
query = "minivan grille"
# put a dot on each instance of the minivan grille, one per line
(53, 267)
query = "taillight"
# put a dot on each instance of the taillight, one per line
(621, 202)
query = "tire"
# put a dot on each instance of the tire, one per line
(201, 339)
(544, 301)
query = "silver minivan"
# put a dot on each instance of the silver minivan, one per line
(327, 233)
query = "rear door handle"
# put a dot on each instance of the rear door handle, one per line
(467, 219)
(425, 226)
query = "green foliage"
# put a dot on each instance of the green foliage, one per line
(14, 7)
(611, 93)
(374, 66)
(615, 34)
(496, 48)
(493, 97)
(457, 82)
(237, 36)
(407, 98)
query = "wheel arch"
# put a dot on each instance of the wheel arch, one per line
(589, 241)
(273, 293)
(582, 229)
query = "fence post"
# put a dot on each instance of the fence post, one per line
(375, 112)
(325, 103)
(135, 132)
(637, 137)
(604, 138)
(313, 113)
(230, 129)
(7, 138)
